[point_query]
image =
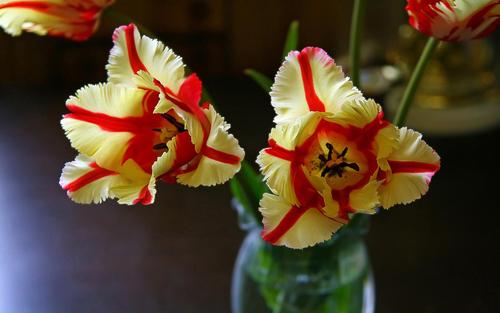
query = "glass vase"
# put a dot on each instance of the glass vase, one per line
(333, 277)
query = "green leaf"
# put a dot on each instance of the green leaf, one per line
(262, 80)
(206, 97)
(254, 182)
(292, 38)
(242, 196)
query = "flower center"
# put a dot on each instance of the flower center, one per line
(337, 161)
(171, 128)
(334, 163)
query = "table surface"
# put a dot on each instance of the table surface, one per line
(439, 254)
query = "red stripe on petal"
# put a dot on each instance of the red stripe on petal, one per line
(88, 178)
(312, 99)
(184, 150)
(184, 161)
(342, 197)
(34, 5)
(368, 133)
(304, 190)
(290, 218)
(412, 167)
(140, 146)
(279, 152)
(190, 91)
(220, 156)
(480, 16)
(110, 123)
(145, 196)
(134, 59)
(192, 109)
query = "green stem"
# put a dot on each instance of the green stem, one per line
(414, 82)
(124, 19)
(358, 14)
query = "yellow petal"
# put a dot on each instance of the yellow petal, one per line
(361, 113)
(385, 142)
(96, 126)
(366, 199)
(411, 147)
(86, 182)
(412, 165)
(137, 187)
(289, 226)
(332, 207)
(310, 81)
(277, 174)
(146, 54)
(358, 113)
(220, 158)
(110, 99)
(275, 161)
(193, 126)
(165, 162)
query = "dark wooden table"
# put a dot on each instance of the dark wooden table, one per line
(438, 255)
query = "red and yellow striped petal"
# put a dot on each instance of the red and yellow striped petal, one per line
(72, 19)
(220, 158)
(138, 187)
(457, 20)
(179, 157)
(106, 120)
(133, 53)
(367, 115)
(308, 81)
(87, 182)
(186, 105)
(366, 199)
(358, 113)
(275, 161)
(293, 226)
(411, 167)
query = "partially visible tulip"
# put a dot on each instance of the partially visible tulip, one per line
(72, 19)
(454, 20)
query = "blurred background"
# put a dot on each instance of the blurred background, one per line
(439, 254)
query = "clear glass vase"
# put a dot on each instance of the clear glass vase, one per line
(331, 277)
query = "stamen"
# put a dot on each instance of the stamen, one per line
(338, 169)
(329, 146)
(325, 171)
(342, 154)
(160, 146)
(174, 122)
(158, 130)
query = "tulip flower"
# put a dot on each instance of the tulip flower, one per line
(145, 124)
(454, 20)
(71, 19)
(333, 154)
